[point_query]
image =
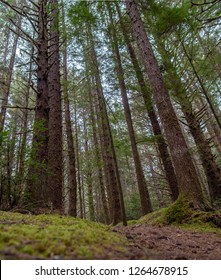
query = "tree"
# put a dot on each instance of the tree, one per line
(185, 99)
(193, 119)
(55, 117)
(6, 85)
(188, 182)
(109, 156)
(72, 180)
(98, 156)
(122, 111)
(142, 186)
(38, 173)
(162, 146)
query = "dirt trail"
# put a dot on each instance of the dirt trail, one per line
(152, 242)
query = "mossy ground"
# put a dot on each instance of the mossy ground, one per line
(56, 237)
(181, 214)
(51, 236)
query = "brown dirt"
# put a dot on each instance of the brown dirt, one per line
(170, 243)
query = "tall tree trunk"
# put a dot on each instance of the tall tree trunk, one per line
(89, 174)
(83, 191)
(22, 150)
(78, 159)
(7, 84)
(211, 169)
(10, 151)
(142, 186)
(204, 91)
(97, 152)
(117, 204)
(99, 133)
(37, 178)
(100, 173)
(214, 131)
(4, 61)
(72, 180)
(188, 181)
(162, 146)
(156, 183)
(55, 116)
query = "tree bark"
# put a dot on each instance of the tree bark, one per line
(204, 91)
(211, 169)
(72, 180)
(7, 83)
(99, 163)
(188, 181)
(10, 156)
(89, 178)
(3, 74)
(117, 204)
(79, 186)
(161, 144)
(22, 151)
(55, 116)
(214, 131)
(156, 183)
(142, 186)
(37, 178)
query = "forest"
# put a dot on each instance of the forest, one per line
(110, 129)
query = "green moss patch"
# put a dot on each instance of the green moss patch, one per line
(181, 214)
(56, 237)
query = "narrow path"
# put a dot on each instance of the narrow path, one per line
(152, 242)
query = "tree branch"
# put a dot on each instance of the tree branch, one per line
(34, 4)
(16, 9)
(29, 38)
(19, 107)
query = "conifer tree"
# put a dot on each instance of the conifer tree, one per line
(188, 181)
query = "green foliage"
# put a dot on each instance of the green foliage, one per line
(39, 126)
(150, 139)
(54, 236)
(121, 146)
(168, 18)
(80, 13)
(132, 205)
(4, 135)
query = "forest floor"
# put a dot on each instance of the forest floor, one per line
(170, 233)
(170, 243)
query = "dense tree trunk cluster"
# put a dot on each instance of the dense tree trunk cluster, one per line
(109, 111)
